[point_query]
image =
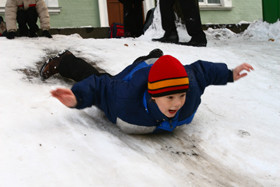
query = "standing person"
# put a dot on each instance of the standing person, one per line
(145, 97)
(190, 11)
(133, 17)
(26, 13)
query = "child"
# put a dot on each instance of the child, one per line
(26, 12)
(145, 97)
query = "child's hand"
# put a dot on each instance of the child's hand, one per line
(65, 96)
(237, 71)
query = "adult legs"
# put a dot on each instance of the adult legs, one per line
(167, 16)
(168, 22)
(133, 18)
(127, 19)
(22, 21)
(138, 14)
(32, 17)
(190, 10)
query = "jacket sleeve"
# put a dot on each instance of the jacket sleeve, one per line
(97, 91)
(11, 15)
(209, 73)
(43, 13)
(85, 92)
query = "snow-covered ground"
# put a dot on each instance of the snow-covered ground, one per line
(233, 140)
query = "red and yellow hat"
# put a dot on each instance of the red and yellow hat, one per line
(167, 76)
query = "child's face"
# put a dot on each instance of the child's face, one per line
(170, 104)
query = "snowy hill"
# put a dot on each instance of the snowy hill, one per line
(233, 140)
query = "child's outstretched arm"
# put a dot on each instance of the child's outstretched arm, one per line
(237, 71)
(65, 96)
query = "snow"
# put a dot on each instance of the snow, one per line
(232, 141)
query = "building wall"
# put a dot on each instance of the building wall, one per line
(86, 13)
(76, 13)
(243, 10)
(82, 13)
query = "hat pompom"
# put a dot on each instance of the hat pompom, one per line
(167, 76)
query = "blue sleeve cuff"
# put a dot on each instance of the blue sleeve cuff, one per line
(230, 76)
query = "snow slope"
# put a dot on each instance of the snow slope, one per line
(233, 140)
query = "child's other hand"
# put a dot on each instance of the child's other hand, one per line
(237, 71)
(65, 96)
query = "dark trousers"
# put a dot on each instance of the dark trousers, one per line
(76, 68)
(133, 17)
(190, 10)
(27, 17)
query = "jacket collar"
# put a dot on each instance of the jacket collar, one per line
(152, 108)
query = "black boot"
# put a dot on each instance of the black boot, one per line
(196, 41)
(47, 34)
(50, 67)
(168, 38)
(33, 34)
(156, 53)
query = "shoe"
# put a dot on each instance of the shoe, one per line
(168, 38)
(47, 34)
(156, 53)
(195, 42)
(11, 35)
(50, 67)
(23, 33)
(33, 34)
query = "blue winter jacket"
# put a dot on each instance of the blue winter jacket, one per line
(126, 102)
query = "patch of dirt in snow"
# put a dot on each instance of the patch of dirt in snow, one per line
(32, 74)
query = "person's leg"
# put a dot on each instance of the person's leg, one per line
(69, 66)
(168, 22)
(138, 18)
(190, 10)
(75, 68)
(167, 16)
(149, 19)
(21, 20)
(128, 18)
(32, 17)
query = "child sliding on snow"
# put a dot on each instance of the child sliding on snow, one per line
(145, 97)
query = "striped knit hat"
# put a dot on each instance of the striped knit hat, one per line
(167, 76)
